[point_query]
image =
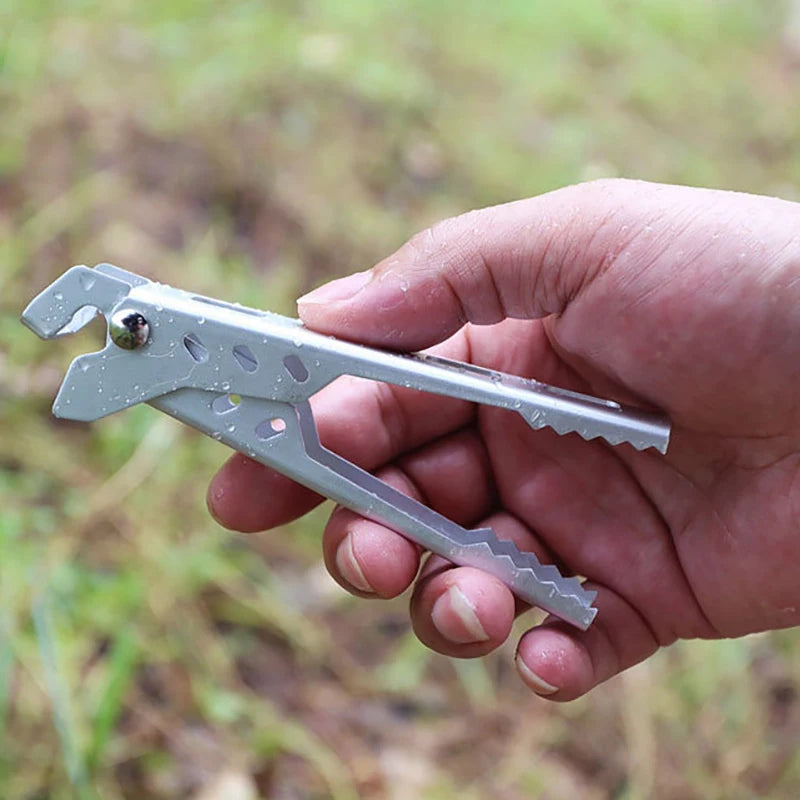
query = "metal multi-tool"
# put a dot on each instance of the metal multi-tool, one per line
(244, 377)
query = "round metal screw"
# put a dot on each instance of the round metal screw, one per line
(128, 329)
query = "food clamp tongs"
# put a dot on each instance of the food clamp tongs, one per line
(245, 377)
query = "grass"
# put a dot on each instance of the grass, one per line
(250, 150)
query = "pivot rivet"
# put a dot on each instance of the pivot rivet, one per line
(128, 329)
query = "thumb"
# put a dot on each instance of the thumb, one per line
(524, 259)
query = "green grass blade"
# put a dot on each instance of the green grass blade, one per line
(121, 667)
(58, 691)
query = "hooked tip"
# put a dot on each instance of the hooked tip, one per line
(41, 324)
(30, 319)
(72, 301)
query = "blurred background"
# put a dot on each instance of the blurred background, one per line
(250, 150)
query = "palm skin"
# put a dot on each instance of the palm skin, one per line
(678, 298)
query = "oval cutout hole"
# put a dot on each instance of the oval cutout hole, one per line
(225, 403)
(195, 348)
(296, 368)
(245, 358)
(270, 427)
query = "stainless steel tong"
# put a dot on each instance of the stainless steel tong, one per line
(244, 377)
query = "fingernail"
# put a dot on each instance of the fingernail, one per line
(533, 681)
(454, 617)
(338, 290)
(348, 565)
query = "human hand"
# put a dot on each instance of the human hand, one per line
(683, 299)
